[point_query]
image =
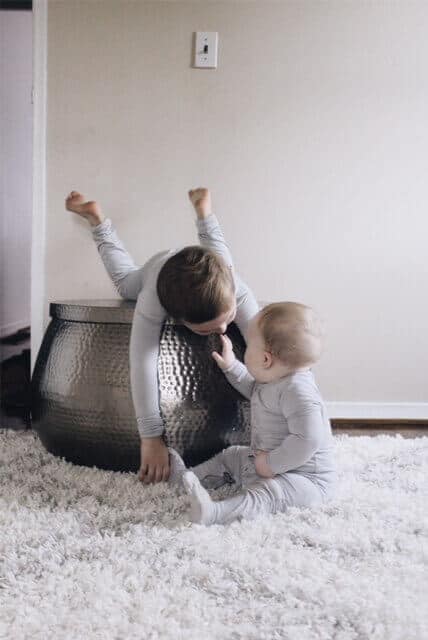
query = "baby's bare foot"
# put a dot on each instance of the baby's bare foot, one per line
(91, 210)
(201, 200)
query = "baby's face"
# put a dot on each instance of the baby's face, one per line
(256, 355)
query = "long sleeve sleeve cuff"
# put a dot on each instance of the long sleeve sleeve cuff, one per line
(236, 370)
(207, 224)
(102, 230)
(151, 427)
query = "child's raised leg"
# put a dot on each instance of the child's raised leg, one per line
(125, 274)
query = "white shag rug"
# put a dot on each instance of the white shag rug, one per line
(94, 555)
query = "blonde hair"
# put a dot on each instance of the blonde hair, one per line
(195, 285)
(292, 332)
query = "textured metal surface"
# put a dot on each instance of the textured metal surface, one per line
(81, 399)
(106, 311)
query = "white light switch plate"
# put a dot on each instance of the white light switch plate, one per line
(206, 45)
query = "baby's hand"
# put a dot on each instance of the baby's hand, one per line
(262, 467)
(201, 200)
(227, 357)
(91, 211)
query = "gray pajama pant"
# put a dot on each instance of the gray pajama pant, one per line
(258, 496)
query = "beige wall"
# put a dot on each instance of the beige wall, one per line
(313, 136)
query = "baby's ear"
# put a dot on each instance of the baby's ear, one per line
(267, 360)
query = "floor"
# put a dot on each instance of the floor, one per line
(88, 554)
(15, 371)
(15, 396)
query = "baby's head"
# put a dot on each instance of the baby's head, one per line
(282, 338)
(195, 286)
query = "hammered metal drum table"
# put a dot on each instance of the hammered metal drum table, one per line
(81, 399)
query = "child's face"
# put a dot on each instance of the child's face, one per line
(218, 325)
(256, 358)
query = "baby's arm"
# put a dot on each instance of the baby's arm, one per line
(235, 371)
(306, 435)
(240, 379)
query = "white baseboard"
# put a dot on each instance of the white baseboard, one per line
(13, 327)
(378, 410)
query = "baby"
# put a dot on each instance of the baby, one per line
(290, 460)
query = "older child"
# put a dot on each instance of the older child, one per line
(290, 460)
(196, 285)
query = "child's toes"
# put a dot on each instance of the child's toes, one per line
(77, 197)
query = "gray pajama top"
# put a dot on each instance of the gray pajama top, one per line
(138, 283)
(288, 419)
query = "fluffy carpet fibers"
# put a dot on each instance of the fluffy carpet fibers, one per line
(88, 554)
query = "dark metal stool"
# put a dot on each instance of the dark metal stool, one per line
(81, 399)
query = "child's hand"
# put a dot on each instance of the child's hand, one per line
(227, 357)
(154, 465)
(201, 200)
(91, 211)
(262, 467)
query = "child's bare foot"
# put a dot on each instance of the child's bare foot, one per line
(91, 210)
(201, 200)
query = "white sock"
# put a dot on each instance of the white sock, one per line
(203, 509)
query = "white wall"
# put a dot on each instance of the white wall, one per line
(16, 130)
(312, 135)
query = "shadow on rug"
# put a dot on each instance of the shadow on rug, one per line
(89, 554)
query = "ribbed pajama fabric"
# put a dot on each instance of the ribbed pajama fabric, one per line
(256, 496)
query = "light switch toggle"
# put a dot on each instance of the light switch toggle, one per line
(206, 45)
